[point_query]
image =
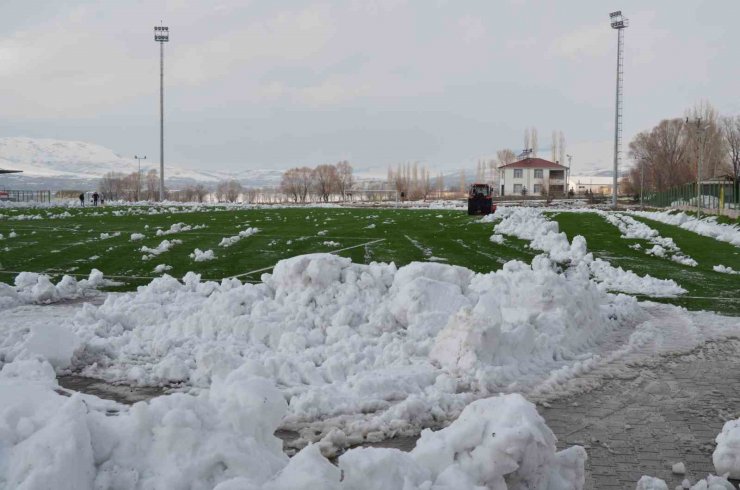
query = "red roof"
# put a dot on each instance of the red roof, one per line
(534, 163)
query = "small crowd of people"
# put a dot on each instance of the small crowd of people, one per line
(94, 198)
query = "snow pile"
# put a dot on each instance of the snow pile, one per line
(662, 246)
(726, 456)
(331, 243)
(199, 255)
(105, 236)
(162, 268)
(231, 240)
(499, 442)
(374, 346)
(33, 288)
(705, 226)
(135, 237)
(177, 228)
(163, 247)
(724, 269)
(223, 439)
(498, 239)
(711, 482)
(532, 224)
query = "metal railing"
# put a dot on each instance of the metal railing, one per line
(712, 196)
(24, 196)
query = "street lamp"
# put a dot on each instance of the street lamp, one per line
(619, 23)
(138, 185)
(161, 35)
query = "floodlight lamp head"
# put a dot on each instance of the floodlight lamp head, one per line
(161, 34)
(617, 20)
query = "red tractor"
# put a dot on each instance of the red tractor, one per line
(480, 199)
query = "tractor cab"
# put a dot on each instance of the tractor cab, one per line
(480, 199)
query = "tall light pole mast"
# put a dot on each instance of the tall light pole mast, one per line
(161, 35)
(619, 23)
(138, 180)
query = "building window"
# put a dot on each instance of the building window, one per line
(537, 173)
(537, 188)
(517, 188)
(518, 173)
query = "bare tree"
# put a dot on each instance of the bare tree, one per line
(554, 147)
(439, 185)
(561, 148)
(527, 139)
(345, 179)
(325, 181)
(463, 183)
(289, 184)
(228, 190)
(731, 133)
(200, 192)
(662, 155)
(534, 142)
(152, 184)
(505, 156)
(707, 139)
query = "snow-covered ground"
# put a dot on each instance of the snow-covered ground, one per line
(705, 226)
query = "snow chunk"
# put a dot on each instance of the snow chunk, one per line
(679, 468)
(199, 255)
(499, 442)
(163, 247)
(726, 455)
(229, 241)
(161, 268)
(135, 237)
(725, 269)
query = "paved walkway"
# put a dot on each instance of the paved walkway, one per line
(641, 421)
(652, 417)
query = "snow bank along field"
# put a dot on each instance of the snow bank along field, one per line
(342, 326)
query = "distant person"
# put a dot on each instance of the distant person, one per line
(96, 196)
(102, 200)
(82, 200)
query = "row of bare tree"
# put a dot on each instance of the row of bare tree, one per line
(668, 154)
(129, 187)
(324, 182)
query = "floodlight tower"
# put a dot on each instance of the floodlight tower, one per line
(619, 23)
(161, 35)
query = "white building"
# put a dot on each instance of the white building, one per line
(532, 177)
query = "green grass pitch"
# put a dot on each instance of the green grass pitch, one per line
(72, 244)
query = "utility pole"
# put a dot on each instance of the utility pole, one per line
(138, 180)
(161, 35)
(619, 23)
(700, 133)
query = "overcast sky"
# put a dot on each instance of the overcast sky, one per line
(274, 84)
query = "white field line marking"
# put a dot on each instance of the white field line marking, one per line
(332, 252)
(191, 232)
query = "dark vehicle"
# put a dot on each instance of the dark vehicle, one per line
(480, 199)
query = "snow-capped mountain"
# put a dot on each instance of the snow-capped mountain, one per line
(58, 164)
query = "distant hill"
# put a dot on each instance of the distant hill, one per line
(58, 164)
